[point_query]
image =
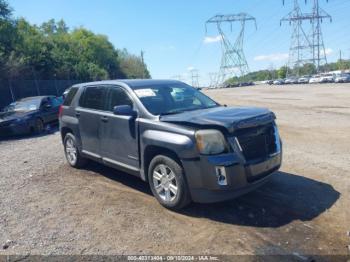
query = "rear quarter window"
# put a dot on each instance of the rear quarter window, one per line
(70, 96)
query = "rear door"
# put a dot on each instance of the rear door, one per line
(89, 112)
(119, 138)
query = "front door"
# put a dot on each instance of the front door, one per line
(48, 112)
(119, 134)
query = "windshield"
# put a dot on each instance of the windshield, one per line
(172, 98)
(23, 105)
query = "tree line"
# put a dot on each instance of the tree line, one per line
(53, 51)
(283, 72)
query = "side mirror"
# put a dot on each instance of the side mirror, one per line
(124, 110)
(47, 106)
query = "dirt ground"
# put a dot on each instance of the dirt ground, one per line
(49, 208)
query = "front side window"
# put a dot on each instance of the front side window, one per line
(117, 97)
(93, 98)
(172, 98)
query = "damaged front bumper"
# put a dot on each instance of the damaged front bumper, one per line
(226, 176)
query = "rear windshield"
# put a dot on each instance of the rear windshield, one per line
(70, 96)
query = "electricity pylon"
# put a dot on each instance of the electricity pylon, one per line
(300, 51)
(300, 42)
(212, 79)
(318, 49)
(233, 61)
(194, 77)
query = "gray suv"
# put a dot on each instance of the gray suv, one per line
(184, 144)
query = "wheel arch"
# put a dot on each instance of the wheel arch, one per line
(64, 131)
(152, 151)
(33, 123)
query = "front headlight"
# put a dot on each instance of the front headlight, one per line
(211, 142)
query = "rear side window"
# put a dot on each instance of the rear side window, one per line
(69, 98)
(117, 97)
(93, 98)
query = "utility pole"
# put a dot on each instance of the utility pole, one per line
(340, 61)
(143, 64)
(233, 61)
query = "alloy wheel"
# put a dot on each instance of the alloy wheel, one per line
(71, 151)
(165, 184)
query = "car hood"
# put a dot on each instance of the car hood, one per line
(9, 116)
(231, 118)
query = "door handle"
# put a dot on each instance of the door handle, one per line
(104, 118)
(77, 113)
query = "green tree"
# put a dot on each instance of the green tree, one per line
(133, 66)
(5, 10)
(307, 69)
(282, 72)
(52, 51)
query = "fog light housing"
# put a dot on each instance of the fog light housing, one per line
(221, 175)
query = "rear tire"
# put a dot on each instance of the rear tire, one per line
(72, 153)
(167, 181)
(39, 126)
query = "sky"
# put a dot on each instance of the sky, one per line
(173, 36)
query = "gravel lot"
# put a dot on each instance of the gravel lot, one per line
(49, 208)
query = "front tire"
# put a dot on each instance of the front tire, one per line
(72, 153)
(167, 181)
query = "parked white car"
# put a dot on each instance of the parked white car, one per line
(315, 79)
(327, 78)
(342, 78)
(304, 80)
(291, 80)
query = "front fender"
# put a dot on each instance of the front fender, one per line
(182, 145)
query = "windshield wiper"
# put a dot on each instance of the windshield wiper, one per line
(185, 110)
(171, 113)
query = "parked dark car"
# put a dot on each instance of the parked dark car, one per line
(185, 145)
(241, 84)
(29, 115)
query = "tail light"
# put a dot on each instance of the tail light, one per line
(60, 110)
